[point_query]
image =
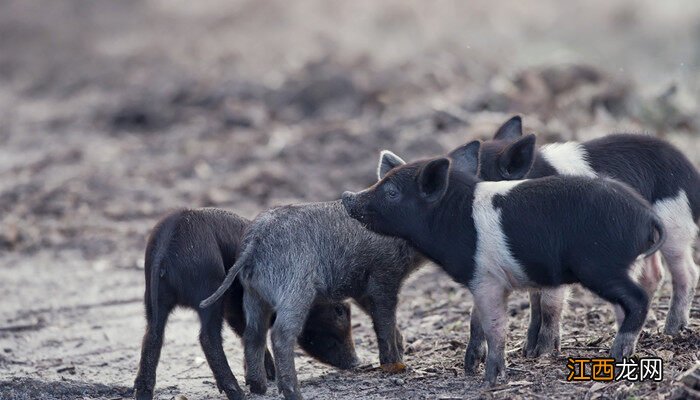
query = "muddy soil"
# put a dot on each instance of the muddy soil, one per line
(113, 112)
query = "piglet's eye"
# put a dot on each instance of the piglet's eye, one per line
(392, 194)
(340, 311)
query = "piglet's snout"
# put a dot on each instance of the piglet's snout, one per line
(348, 197)
(348, 200)
(351, 204)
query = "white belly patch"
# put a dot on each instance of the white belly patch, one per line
(568, 158)
(493, 258)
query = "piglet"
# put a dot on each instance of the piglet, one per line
(657, 170)
(495, 237)
(187, 256)
(297, 255)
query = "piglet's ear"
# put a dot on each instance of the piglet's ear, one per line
(387, 162)
(510, 130)
(466, 157)
(517, 159)
(433, 178)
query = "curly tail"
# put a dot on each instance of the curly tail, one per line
(658, 236)
(230, 276)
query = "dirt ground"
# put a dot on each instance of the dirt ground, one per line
(112, 112)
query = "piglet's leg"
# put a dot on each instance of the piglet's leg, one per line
(648, 273)
(635, 303)
(476, 349)
(533, 330)
(150, 351)
(684, 278)
(619, 288)
(381, 306)
(681, 232)
(551, 305)
(257, 315)
(236, 321)
(651, 274)
(210, 338)
(491, 300)
(288, 325)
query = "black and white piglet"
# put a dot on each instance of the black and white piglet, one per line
(495, 237)
(297, 255)
(653, 167)
(187, 256)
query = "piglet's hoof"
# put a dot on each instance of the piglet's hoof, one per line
(394, 368)
(257, 387)
(143, 394)
(544, 348)
(232, 394)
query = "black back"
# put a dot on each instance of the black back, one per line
(653, 167)
(553, 219)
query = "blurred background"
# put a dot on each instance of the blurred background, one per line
(113, 112)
